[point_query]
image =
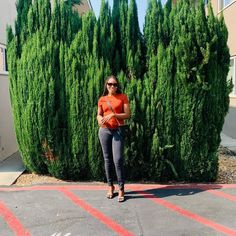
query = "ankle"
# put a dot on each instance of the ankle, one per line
(121, 192)
(111, 188)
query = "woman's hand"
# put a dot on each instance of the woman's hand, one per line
(107, 118)
(99, 118)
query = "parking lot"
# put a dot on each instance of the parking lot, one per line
(82, 209)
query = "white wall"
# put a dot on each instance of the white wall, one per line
(8, 144)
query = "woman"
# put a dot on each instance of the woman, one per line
(113, 109)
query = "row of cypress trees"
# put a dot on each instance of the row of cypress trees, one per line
(174, 75)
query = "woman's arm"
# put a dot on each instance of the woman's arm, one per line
(103, 119)
(126, 114)
(99, 116)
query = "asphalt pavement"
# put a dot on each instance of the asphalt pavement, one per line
(152, 210)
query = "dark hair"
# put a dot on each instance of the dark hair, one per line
(105, 91)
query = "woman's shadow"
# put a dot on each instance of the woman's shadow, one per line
(170, 190)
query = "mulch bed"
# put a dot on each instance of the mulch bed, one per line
(226, 173)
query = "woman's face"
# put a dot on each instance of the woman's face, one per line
(112, 86)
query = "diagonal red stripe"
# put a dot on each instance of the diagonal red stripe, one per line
(221, 194)
(188, 214)
(12, 221)
(97, 214)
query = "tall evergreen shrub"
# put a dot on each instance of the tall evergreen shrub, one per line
(37, 86)
(186, 136)
(174, 75)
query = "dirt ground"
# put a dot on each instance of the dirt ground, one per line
(227, 166)
(226, 173)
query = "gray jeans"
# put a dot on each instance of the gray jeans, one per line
(112, 147)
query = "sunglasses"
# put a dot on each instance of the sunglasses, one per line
(114, 84)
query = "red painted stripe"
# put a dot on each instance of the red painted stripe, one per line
(221, 194)
(127, 186)
(55, 187)
(180, 186)
(153, 186)
(188, 214)
(97, 214)
(12, 221)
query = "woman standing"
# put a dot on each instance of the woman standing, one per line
(113, 109)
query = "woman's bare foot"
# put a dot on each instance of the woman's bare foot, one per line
(121, 195)
(110, 193)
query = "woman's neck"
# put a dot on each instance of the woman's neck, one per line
(111, 94)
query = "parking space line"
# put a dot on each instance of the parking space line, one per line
(95, 213)
(12, 221)
(128, 186)
(221, 194)
(179, 186)
(188, 214)
(142, 189)
(54, 187)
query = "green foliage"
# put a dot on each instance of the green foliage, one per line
(36, 76)
(174, 75)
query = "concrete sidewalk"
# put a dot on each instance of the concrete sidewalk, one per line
(228, 142)
(149, 210)
(11, 169)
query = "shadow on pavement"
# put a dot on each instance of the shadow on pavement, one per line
(168, 191)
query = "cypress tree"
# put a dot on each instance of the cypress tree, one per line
(194, 88)
(123, 11)
(104, 28)
(174, 74)
(216, 103)
(133, 43)
(158, 112)
(153, 27)
(117, 52)
(22, 8)
(180, 146)
(38, 117)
